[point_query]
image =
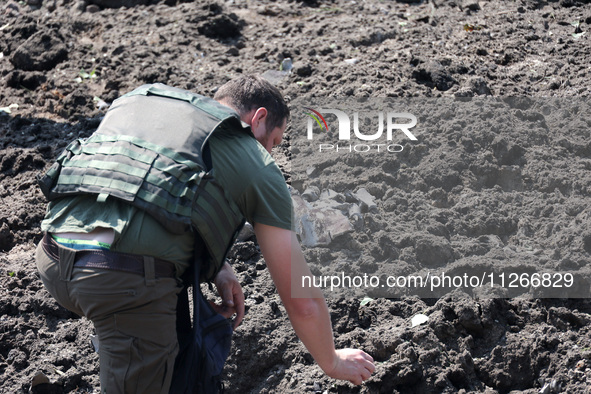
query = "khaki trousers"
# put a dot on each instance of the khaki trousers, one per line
(134, 318)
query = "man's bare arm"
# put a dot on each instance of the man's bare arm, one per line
(309, 316)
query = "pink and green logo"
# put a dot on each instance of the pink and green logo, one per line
(316, 115)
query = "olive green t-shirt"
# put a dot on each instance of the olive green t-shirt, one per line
(241, 165)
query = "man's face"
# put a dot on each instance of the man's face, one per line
(273, 138)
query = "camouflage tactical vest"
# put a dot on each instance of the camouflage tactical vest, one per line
(149, 151)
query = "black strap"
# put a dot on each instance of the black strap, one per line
(206, 156)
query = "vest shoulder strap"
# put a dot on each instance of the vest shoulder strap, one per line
(204, 103)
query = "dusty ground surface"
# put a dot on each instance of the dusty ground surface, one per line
(483, 194)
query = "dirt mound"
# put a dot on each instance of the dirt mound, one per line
(472, 191)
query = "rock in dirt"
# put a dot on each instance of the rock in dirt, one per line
(38, 379)
(275, 76)
(474, 86)
(311, 193)
(6, 237)
(303, 69)
(471, 5)
(29, 80)
(434, 75)
(221, 26)
(41, 52)
(367, 201)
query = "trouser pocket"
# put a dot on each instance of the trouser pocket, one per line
(137, 353)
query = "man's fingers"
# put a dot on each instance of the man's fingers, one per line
(223, 310)
(227, 296)
(239, 308)
(365, 374)
(369, 366)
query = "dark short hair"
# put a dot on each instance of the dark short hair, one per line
(249, 92)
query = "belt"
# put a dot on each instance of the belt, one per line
(106, 259)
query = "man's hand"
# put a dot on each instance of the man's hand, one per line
(230, 291)
(306, 308)
(353, 365)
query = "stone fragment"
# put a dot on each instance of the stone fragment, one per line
(311, 194)
(367, 201)
(303, 69)
(221, 26)
(330, 194)
(38, 379)
(471, 5)
(418, 319)
(41, 52)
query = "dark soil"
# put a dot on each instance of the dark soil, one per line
(488, 194)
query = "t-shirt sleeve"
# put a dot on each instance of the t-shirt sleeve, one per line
(267, 199)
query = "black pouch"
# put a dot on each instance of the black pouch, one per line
(204, 346)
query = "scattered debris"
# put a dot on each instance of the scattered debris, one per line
(286, 65)
(320, 222)
(311, 194)
(94, 341)
(100, 103)
(83, 75)
(9, 109)
(311, 171)
(321, 226)
(321, 216)
(553, 387)
(367, 201)
(419, 319)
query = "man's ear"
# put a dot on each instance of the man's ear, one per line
(258, 125)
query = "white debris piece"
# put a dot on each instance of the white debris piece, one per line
(286, 65)
(419, 319)
(367, 200)
(355, 212)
